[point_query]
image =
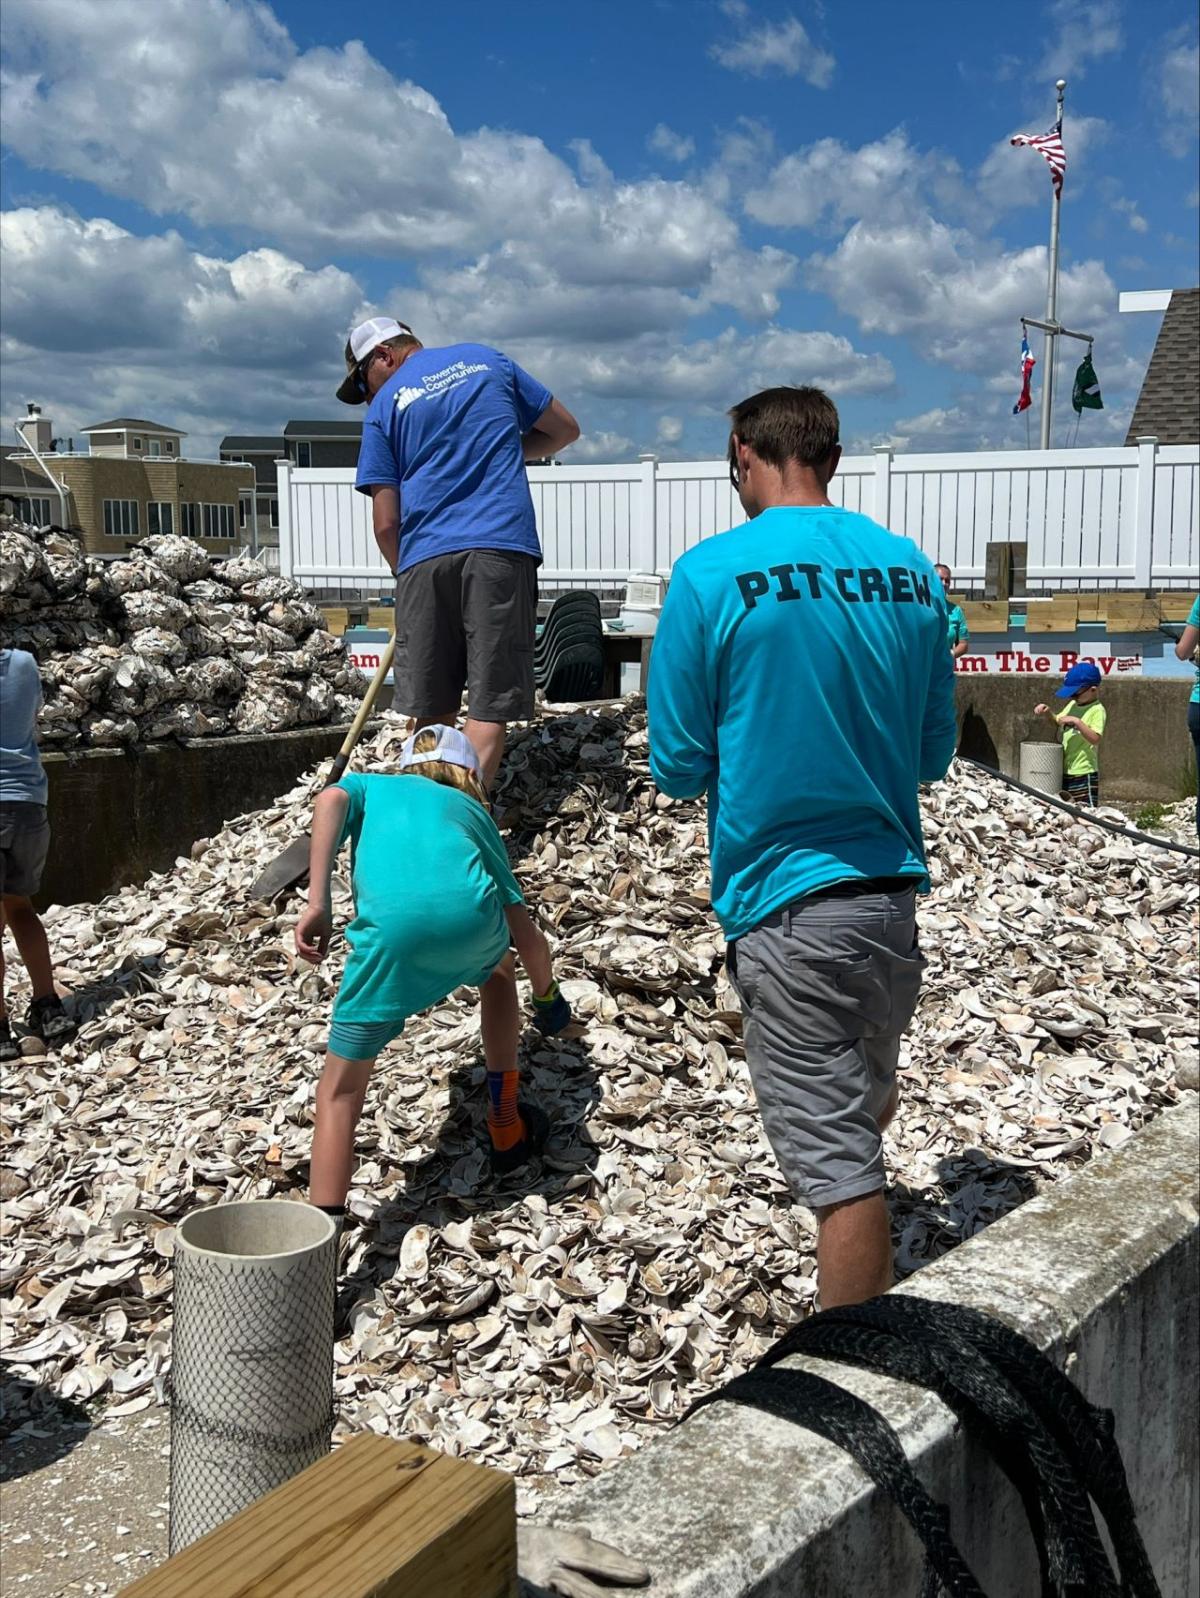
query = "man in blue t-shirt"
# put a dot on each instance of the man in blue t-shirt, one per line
(444, 447)
(800, 678)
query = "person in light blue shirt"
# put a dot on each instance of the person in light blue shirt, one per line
(800, 679)
(958, 634)
(24, 844)
(1188, 648)
(445, 441)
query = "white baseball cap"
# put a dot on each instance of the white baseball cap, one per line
(363, 339)
(452, 746)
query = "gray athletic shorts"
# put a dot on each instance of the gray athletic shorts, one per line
(24, 842)
(827, 988)
(467, 621)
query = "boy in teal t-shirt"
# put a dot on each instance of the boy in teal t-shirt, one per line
(1083, 721)
(436, 907)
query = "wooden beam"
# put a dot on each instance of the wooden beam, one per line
(376, 1519)
(986, 615)
(1059, 615)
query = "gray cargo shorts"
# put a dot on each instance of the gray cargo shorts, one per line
(467, 620)
(24, 844)
(828, 987)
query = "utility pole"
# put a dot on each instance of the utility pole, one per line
(1052, 293)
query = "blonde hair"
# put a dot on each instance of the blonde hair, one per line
(445, 771)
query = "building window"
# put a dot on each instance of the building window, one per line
(35, 511)
(121, 518)
(168, 447)
(189, 516)
(304, 454)
(137, 443)
(274, 513)
(160, 516)
(218, 521)
(155, 446)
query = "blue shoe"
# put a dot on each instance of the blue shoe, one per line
(551, 1014)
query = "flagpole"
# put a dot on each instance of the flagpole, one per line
(1052, 293)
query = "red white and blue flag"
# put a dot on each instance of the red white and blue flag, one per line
(1027, 365)
(1051, 146)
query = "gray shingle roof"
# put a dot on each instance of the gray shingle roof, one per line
(15, 476)
(253, 444)
(133, 421)
(1168, 407)
(318, 429)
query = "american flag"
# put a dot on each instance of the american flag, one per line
(1051, 146)
(1027, 365)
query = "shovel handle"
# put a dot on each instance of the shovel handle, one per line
(364, 710)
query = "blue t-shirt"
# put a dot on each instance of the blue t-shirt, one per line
(431, 879)
(446, 432)
(1194, 621)
(800, 677)
(22, 778)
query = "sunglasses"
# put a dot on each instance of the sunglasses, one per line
(363, 367)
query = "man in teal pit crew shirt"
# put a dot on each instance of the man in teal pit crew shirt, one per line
(800, 678)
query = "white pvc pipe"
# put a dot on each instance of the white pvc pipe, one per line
(252, 1356)
(1042, 766)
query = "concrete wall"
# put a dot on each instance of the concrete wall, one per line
(115, 817)
(1100, 1272)
(1146, 752)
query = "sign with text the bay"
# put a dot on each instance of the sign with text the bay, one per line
(1054, 663)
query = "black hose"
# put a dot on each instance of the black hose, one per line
(1059, 1451)
(1081, 814)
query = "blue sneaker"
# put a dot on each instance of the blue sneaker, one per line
(551, 1013)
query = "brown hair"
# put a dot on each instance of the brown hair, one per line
(786, 424)
(445, 771)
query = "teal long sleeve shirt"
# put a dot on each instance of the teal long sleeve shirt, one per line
(801, 678)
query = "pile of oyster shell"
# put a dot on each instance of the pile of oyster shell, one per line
(551, 1322)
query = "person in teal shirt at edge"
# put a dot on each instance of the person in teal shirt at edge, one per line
(957, 631)
(800, 679)
(1186, 649)
(436, 905)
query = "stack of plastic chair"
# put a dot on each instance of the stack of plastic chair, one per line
(568, 658)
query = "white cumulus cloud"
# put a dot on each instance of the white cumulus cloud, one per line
(766, 47)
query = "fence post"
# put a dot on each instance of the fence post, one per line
(1143, 522)
(643, 544)
(283, 488)
(881, 507)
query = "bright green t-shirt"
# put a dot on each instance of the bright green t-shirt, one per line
(431, 881)
(956, 626)
(1080, 757)
(1194, 621)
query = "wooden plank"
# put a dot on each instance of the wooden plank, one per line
(381, 616)
(377, 1519)
(337, 618)
(1132, 614)
(1091, 607)
(1059, 615)
(986, 615)
(1175, 606)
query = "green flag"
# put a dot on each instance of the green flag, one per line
(1085, 396)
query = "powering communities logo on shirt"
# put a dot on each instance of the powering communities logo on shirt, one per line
(438, 382)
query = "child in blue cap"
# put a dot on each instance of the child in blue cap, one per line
(1082, 723)
(436, 908)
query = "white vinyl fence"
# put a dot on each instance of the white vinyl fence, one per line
(1091, 518)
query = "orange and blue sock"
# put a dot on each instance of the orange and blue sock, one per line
(505, 1126)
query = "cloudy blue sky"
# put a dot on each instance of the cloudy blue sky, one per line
(656, 207)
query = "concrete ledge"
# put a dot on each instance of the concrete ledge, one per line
(1100, 1272)
(117, 815)
(1147, 750)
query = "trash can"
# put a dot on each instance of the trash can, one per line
(1042, 766)
(251, 1356)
